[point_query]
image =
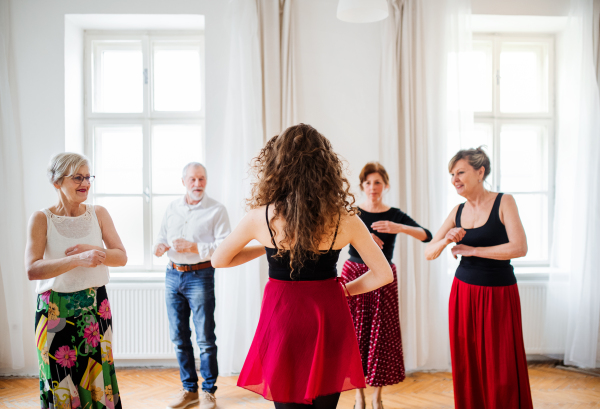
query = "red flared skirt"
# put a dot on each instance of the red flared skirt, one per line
(304, 346)
(489, 366)
(376, 319)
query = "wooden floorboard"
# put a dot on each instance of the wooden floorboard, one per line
(552, 388)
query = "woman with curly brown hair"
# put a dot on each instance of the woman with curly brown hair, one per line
(304, 352)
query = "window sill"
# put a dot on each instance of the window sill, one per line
(137, 277)
(531, 274)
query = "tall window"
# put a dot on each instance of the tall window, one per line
(144, 121)
(514, 118)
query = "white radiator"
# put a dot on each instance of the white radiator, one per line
(141, 326)
(533, 311)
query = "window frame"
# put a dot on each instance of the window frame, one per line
(497, 119)
(146, 119)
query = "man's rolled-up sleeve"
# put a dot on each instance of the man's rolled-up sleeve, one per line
(221, 230)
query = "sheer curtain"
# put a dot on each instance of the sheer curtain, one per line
(16, 303)
(597, 38)
(238, 290)
(419, 38)
(577, 220)
(277, 51)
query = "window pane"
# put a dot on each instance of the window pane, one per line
(118, 159)
(523, 78)
(127, 214)
(173, 146)
(159, 207)
(533, 211)
(523, 158)
(482, 76)
(119, 80)
(177, 80)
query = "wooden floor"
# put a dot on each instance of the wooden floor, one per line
(552, 387)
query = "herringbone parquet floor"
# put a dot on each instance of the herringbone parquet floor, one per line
(552, 388)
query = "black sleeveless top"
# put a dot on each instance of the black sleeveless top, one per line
(322, 268)
(389, 240)
(485, 271)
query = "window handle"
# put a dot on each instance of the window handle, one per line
(145, 76)
(497, 77)
(147, 194)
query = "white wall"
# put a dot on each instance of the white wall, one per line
(338, 67)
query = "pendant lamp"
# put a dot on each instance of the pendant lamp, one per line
(362, 11)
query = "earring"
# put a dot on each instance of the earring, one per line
(479, 181)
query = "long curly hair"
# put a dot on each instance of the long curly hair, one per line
(299, 174)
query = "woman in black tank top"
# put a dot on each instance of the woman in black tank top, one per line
(489, 366)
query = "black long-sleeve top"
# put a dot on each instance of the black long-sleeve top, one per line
(389, 240)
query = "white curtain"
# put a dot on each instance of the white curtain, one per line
(278, 51)
(597, 38)
(419, 38)
(576, 290)
(16, 303)
(238, 290)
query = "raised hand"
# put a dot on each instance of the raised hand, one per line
(462, 250)
(386, 226)
(79, 248)
(377, 240)
(456, 234)
(160, 249)
(184, 246)
(91, 258)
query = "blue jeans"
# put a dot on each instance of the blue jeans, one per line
(193, 292)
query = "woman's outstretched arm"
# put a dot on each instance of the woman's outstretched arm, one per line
(234, 251)
(447, 234)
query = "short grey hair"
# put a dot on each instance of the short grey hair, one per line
(65, 164)
(192, 165)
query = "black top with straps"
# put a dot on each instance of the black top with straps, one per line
(485, 271)
(322, 268)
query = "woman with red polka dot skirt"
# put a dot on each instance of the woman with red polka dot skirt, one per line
(376, 314)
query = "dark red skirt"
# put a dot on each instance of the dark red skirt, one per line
(304, 346)
(489, 366)
(376, 319)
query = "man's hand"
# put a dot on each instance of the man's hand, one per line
(160, 249)
(184, 246)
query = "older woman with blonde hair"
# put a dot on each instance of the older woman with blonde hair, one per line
(489, 366)
(69, 248)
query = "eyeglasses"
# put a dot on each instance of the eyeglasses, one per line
(79, 179)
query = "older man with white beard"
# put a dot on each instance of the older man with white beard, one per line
(192, 228)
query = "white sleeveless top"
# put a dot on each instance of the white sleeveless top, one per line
(64, 232)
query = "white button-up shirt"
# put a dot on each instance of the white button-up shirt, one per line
(205, 224)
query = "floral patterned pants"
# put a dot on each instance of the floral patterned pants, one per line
(73, 333)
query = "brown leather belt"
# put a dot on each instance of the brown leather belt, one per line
(190, 267)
